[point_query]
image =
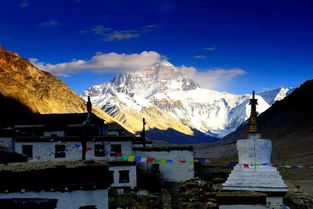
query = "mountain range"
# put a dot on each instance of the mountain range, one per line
(168, 98)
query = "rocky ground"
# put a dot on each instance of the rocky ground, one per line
(201, 193)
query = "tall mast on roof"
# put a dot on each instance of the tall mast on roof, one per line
(143, 132)
(253, 127)
(89, 106)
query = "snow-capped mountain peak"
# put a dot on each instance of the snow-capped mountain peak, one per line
(165, 87)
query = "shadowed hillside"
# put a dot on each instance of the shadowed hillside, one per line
(11, 111)
(288, 123)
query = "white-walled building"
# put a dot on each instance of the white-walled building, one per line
(69, 148)
(176, 164)
(73, 184)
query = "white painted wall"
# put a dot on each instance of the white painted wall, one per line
(274, 202)
(242, 207)
(254, 150)
(7, 142)
(175, 172)
(68, 200)
(42, 148)
(54, 133)
(132, 175)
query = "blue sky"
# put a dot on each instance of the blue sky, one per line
(256, 44)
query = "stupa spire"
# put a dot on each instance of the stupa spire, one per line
(253, 126)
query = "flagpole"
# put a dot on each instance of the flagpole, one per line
(254, 152)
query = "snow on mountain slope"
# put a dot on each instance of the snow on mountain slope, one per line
(274, 95)
(167, 90)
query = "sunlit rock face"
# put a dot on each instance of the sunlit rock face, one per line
(38, 90)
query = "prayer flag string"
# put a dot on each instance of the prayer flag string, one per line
(146, 159)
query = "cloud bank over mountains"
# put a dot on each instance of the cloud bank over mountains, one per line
(214, 78)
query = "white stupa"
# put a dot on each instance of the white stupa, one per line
(254, 172)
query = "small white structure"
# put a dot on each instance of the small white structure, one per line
(260, 177)
(254, 171)
(180, 166)
(123, 174)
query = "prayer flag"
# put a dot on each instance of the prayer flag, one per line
(156, 160)
(137, 159)
(119, 154)
(201, 160)
(246, 165)
(143, 159)
(232, 164)
(169, 161)
(88, 148)
(182, 161)
(125, 157)
(131, 158)
(163, 161)
(150, 160)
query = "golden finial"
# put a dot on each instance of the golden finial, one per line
(253, 127)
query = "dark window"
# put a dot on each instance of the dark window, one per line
(124, 176)
(88, 207)
(27, 150)
(115, 148)
(59, 151)
(111, 176)
(99, 150)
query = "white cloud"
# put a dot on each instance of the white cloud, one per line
(200, 56)
(24, 3)
(100, 30)
(51, 23)
(110, 34)
(110, 62)
(149, 28)
(121, 35)
(209, 49)
(216, 78)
